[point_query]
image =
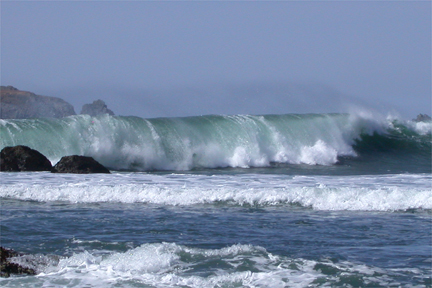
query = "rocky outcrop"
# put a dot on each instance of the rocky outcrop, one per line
(422, 118)
(16, 104)
(23, 158)
(8, 267)
(79, 164)
(98, 107)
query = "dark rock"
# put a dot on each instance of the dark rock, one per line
(8, 267)
(16, 104)
(98, 107)
(422, 118)
(78, 164)
(9, 88)
(23, 158)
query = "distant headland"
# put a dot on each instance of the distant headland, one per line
(17, 104)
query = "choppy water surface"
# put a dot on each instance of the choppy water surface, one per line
(251, 201)
(195, 230)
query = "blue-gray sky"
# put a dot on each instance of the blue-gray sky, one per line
(180, 58)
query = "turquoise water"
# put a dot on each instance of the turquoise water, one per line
(215, 141)
(331, 200)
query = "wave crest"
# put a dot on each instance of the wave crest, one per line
(132, 143)
(357, 193)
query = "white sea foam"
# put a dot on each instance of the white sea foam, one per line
(186, 143)
(172, 265)
(422, 128)
(369, 193)
(205, 141)
(320, 154)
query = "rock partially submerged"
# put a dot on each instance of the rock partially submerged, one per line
(22, 158)
(8, 267)
(79, 164)
(96, 108)
(17, 104)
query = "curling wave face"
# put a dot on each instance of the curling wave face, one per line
(132, 143)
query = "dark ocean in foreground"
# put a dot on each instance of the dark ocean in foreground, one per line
(310, 200)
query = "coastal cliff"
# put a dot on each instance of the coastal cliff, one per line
(17, 104)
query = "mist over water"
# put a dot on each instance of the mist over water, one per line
(223, 200)
(213, 57)
(251, 98)
(255, 144)
(217, 141)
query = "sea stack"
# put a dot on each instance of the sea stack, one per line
(96, 108)
(422, 118)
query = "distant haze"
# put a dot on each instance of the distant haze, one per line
(175, 58)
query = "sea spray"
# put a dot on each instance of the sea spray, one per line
(332, 200)
(173, 265)
(132, 143)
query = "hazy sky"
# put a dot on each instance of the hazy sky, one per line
(179, 58)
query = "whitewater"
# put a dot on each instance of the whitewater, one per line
(295, 200)
(133, 143)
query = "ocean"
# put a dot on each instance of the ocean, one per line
(295, 200)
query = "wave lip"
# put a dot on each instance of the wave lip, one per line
(214, 141)
(189, 142)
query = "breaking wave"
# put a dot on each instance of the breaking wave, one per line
(329, 193)
(173, 265)
(213, 141)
